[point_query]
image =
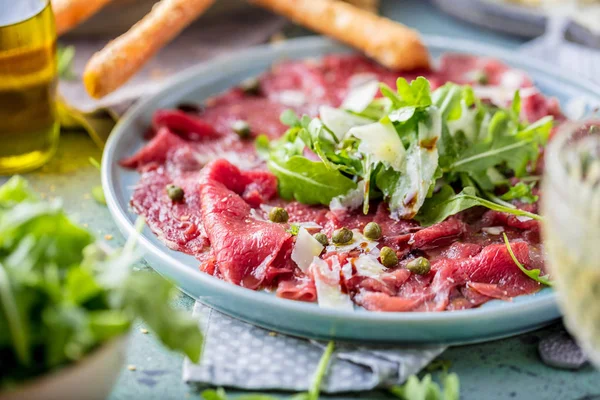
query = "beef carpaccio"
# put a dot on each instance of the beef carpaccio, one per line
(223, 221)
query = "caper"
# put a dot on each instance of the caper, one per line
(250, 86)
(342, 236)
(388, 257)
(321, 238)
(242, 128)
(419, 265)
(482, 78)
(279, 215)
(174, 192)
(372, 231)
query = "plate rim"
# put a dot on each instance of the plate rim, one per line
(531, 303)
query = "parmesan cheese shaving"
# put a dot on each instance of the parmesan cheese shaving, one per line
(327, 283)
(305, 249)
(292, 98)
(493, 230)
(381, 141)
(339, 121)
(360, 96)
(351, 200)
(368, 265)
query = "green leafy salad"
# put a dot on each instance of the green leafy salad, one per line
(62, 294)
(428, 154)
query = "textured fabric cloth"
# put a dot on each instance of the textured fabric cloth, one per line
(237, 354)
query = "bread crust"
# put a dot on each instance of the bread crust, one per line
(369, 5)
(120, 59)
(388, 42)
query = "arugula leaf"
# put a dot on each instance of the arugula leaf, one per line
(522, 192)
(446, 203)
(220, 394)
(486, 155)
(289, 118)
(211, 394)
(181, 332)
(515, 107)
(532, 273)
(13, 318)
(315, 387)
(451, 385)
(98, 195)
(427, 389)
(417, 93)
(294, 229)
(45, 222)
(309, 182)
(447, 99)
(390, 94)
(15, 190)
(262, 146)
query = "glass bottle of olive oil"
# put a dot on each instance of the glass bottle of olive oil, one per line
(28, 76)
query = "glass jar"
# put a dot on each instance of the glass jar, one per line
(571, 209)
(29, 128)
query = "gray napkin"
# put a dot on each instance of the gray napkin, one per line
(240, 355)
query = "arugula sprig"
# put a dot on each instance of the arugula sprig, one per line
(534, 274)
(62, 294)
(407, 145)
(427, 389)
(446, 203)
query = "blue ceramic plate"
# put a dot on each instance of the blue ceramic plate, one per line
(514, 19)
(494, 320)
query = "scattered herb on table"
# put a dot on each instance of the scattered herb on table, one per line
(97, 191)
(428, 154)
(95, 163)
(63, 294)
(64, 62)
(98, 195)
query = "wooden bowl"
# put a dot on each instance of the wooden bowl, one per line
(91, 378)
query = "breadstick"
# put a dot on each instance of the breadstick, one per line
(390, 43)
(112, 66)
(70, 13)
(369, 5)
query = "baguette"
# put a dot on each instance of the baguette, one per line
(70, 13)
(112, 66)
(390, 43)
